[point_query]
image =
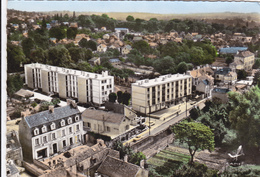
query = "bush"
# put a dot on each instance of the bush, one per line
(34, 104)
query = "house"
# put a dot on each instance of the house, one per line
(151, 95)
(106, 36)
(103, 28)
(153, 45)
(74, 25)
(126, 49)
(79, 37)
(11, 169)
(110, 123)
(65, 23)
(23, 94)
(114, 167)
(230, 78)
(85, 87)
(36, 27)
(54, 23)
(121, 32)
(53, 39)
(220, 93)
(220, 73)
(48, 26)
(102, 48)
(13, 148)
(114, 61)
(137, 38)
(94, 61)
(77, 162)
(243, 60)
(50, 132)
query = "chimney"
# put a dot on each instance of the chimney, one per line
(126, 158)
(51, 108)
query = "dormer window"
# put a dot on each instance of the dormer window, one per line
(62, 122)
(53, 126)
(69, 120)
(36, 131)
(44, 129)
(77, 118)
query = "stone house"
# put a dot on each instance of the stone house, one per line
(102, 48)
(114, 167)
(230, 78)
(94, 61)
(50, 132)
(243, 60)
(220, 73)
(126, 49)
(110, 123)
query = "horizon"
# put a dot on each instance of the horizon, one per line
(153, 7)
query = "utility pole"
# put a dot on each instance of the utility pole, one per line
(186, 106)
(149, 121)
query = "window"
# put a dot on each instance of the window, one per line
(108, 129)
(37, 141)
(70, 129)
(36, 131)
(45, 139)
(63, 132)
(88, 125)
(44, 129)
(69, 120)
(77, 127)
(53, 136)
(77, 118)
(64, 143)
(53, 126)
(78, 139)
(62, 122)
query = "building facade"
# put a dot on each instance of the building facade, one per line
(50, 132)
(246, 58)
(68, 83)
(155, 94)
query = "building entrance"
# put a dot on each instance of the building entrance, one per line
(42, 153)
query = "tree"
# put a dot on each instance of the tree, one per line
(88, 44)
(126, 97)
(141, 46)
(71, 33)
(59, 56)
(241, 74)
(84, 66)
(257, 64)
(120, 96)
(15, 57)
(57, 32)
(27, 45)
(112, 97)
(245, 113)
(14, 83)
(130, 18)
(182, 67)
(38, 55)
(137, 157)
(77, 54)
(196, 135)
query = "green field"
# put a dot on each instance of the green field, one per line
(167, 161)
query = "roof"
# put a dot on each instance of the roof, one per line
(12, 168)
(223, 71)
(161, 80)
(121, 29)
(46, 116)
(115, 167)
(221, 90)
(244, 54)
(232, 50)
(115, 60)
(100, 115)
(94, 59)
(24, 93)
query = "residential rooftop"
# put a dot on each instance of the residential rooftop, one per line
(161, 80)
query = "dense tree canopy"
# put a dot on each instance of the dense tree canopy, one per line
(59, 56)
(245, 116)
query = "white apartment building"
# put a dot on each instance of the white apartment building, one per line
(155, 94)
(69, 83)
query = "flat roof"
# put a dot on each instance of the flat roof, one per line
(161, 80)
(70, 71)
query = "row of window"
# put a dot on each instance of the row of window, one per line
(45, 139)
(53, 125)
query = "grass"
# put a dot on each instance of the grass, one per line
(168, 156)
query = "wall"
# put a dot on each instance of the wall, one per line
(25, 140)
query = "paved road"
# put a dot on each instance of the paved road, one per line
(173, 119)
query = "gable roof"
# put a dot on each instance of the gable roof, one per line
(115, 167)
(232, 50)
(244, 54)
(46, 116)
(100, 115)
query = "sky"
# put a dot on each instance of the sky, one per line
(161, 7)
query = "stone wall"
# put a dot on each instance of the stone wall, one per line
(152, 144)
